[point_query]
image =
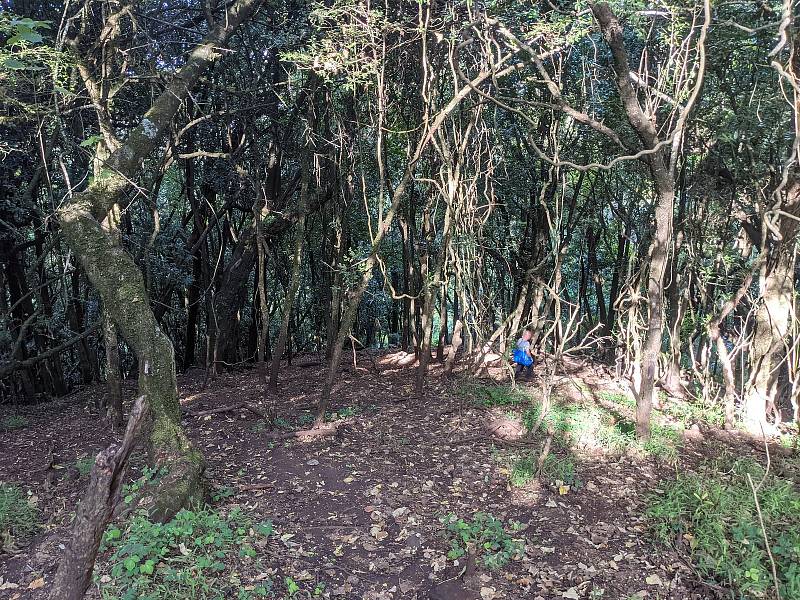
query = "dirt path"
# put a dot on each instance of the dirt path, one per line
(363, 512)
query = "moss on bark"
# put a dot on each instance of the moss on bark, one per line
(121, 286)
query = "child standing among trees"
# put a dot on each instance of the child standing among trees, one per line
(523, 356)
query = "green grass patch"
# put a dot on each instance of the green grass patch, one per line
(84, 465)
(198, 554)
(493, 395)
(694, 412)
(711, 515)
(580, 426)
(19, 518)
(686, 412)
(592, 427)
(522, 470)
(485, 536)
(13, 422)
(618, 398)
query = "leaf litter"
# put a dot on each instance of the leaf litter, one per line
(362, 512)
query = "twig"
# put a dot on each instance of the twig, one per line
(755, 489)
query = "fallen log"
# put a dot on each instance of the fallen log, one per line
(94, 512)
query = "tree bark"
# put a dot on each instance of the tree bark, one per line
(664, 184)
(120, 283)
(113, 388)
(291, 291)
(772, 320)
(106, 479)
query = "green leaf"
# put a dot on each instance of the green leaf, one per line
(14, 65)
(291, 586)
(92, 141)
(131, 562)
(147, 567)
(29, 36)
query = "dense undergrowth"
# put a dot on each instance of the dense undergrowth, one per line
(19, 517)
(709, 514)
(195, 555)
(712, 516)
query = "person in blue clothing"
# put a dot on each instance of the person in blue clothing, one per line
(523, 357)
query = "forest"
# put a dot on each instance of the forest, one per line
(271, 272)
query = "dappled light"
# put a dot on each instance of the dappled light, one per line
(443, 300)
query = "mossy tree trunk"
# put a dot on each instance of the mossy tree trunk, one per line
(117, 278)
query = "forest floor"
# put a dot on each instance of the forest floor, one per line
(372, 512)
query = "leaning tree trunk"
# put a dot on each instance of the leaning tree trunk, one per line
(106, 480)
(120, 283)
(355, 295)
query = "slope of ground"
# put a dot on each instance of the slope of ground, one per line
(373, 512)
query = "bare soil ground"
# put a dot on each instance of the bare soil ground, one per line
(362, 511)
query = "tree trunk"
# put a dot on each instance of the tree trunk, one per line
(114, 402)
(443, 324)
(651, 349)
(120, 283)
(291, 292)
(772, 320)
(113, 386)
(660, 165)
(196, 284)
(106, 479)
(430, 289)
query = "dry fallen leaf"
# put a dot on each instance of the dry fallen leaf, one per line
(488, 593)
(653, 580)
(36, 584)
